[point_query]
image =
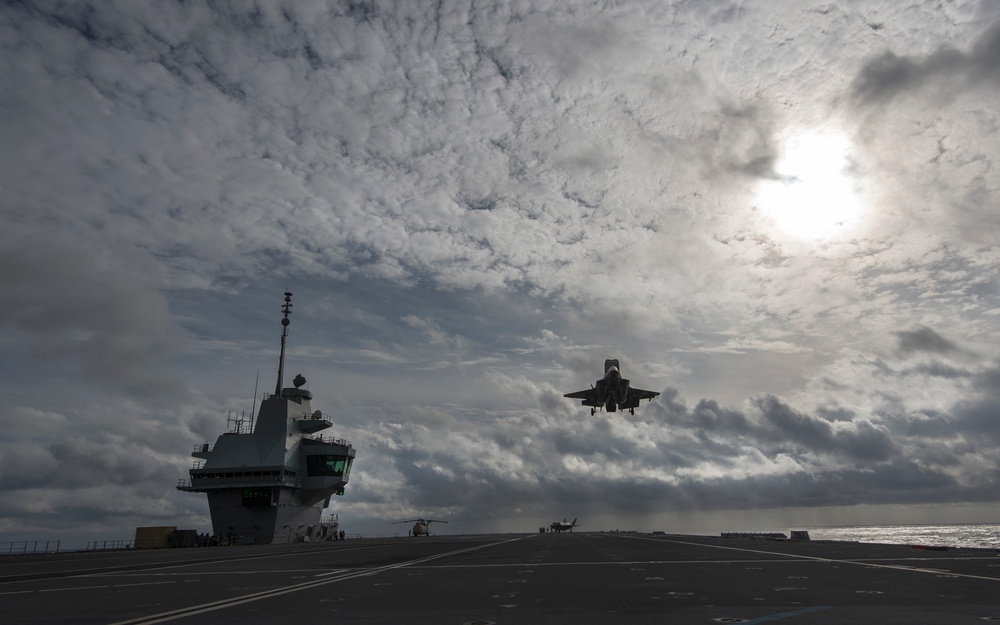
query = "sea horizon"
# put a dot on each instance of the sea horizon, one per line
(954, 535)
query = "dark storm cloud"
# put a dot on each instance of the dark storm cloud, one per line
(704, 458)
(709, 456)
(116, 330)
(941, 370)
(988, 381)
(604, 489)
(858, 439)
(977, 419)
(97, 472)
(890, 75)
(924, 339)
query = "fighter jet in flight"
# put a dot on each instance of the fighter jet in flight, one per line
(612, 392)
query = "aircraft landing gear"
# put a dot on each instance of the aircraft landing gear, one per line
(631, 411)
(593, 411)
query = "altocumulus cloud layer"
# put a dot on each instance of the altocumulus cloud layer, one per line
(781, 215)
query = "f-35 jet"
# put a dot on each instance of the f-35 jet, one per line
(613, 392)
(562, 526)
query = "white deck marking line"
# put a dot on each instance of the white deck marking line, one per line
(896, 567)
(70, 588)
(174, 565)
(333, 572)
(127, 568)
(598, 563)
(316, 573)
(163, 617)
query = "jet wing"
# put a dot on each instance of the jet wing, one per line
(637, 394)
(588, 396)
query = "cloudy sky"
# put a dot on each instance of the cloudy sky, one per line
(781, 215)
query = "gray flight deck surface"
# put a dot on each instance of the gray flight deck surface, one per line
(580, 577)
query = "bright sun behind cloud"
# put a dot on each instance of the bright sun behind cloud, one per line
(813, 196)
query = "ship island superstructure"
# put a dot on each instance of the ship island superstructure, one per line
(271, 484)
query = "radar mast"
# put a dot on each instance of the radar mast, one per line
(287, 310)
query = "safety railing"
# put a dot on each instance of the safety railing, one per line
(25, 547)
(239, 482)
(108, 545)
(333, 440)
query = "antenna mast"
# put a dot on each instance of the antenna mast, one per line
(287, 310)
(253, 411)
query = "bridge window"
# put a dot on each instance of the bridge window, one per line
(327, 465)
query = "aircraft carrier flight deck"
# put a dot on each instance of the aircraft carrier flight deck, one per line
(578, 577)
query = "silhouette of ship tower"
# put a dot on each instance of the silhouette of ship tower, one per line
(272, 484)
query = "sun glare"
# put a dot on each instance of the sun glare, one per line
(813, 196)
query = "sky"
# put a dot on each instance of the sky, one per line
(782, 216)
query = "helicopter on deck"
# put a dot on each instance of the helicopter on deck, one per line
(421, 527)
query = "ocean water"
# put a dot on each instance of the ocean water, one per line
(985, 536)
